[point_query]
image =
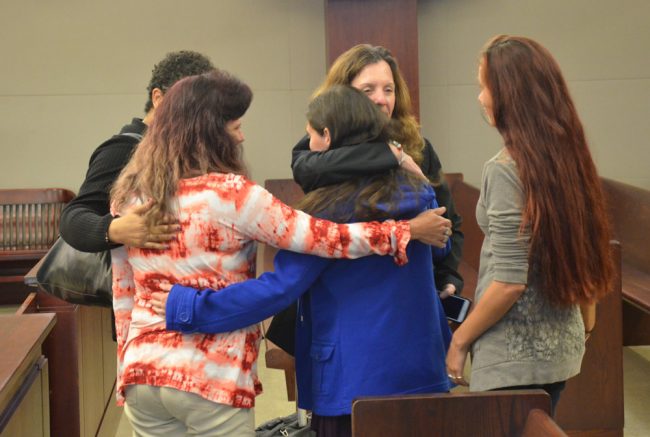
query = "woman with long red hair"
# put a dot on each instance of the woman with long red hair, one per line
(545, 257)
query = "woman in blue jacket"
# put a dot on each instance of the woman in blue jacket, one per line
(364, 327)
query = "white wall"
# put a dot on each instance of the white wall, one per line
(602, 46)
(73, 72)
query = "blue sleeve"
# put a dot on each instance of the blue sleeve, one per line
(244, 303)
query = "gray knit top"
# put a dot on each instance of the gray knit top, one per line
(534, 343)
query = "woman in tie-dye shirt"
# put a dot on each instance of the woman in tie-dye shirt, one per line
(190, 165)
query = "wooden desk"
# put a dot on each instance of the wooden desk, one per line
(82, 356)
(24, 399)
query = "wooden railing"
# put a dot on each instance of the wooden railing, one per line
(29, 225)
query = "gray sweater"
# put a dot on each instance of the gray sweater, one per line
(534, 343)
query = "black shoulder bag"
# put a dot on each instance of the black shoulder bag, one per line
(83, 278)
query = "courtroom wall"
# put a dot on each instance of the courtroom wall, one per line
(73, 72)
(603, 47)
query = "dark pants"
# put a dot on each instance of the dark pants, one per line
(332, 426)
(554, 390)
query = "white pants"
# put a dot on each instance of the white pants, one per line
(163, 411)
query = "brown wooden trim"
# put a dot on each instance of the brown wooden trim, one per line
(389, 23)
(451, 414)
(28, 306)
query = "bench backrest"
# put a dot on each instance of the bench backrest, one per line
(497, 413)
(29, 218)
(629, 209)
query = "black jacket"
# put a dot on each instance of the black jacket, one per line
(85, 220)
(315, 170)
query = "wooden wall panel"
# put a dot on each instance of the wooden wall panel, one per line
(389, 23)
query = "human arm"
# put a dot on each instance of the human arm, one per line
(86, 219)
(439, 253)
(86, 222)
(123, 303)
(447, 277)
(588, 312)
(252, 211)
(243, 303)
(502, 201)
(430, 227)
(312, 170)
(494, 304)
(132, 229)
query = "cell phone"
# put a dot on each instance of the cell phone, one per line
(456, 307)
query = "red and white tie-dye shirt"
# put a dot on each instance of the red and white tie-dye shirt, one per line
(221, 217)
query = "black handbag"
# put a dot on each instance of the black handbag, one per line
(83, 278)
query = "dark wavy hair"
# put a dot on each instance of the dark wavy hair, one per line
(173, 67)
(187, 138)
(564, 207)
(352, 118)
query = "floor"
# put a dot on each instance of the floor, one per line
(636, 362)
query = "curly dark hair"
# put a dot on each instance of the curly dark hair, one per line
(173, 67)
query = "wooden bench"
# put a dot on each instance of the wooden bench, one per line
(629, 209)
(488, 414)
(29, 224)
(592, 403)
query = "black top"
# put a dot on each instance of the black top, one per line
(313, 170)
(85, 220)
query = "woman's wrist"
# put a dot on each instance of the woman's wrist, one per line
(459, 340)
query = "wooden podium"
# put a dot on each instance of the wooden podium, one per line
(82, 365)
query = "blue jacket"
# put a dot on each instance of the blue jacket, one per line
(365, 326)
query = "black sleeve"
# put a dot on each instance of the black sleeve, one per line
(313, 170)
(85, 220)
(446, 271)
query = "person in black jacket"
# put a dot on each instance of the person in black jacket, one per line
(374, 70)
(86, 222)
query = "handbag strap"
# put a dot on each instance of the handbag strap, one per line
(137, 136)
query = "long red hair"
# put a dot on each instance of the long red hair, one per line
(564, 205)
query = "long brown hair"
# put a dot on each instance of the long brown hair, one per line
(187, 138)
(564, 204)
(352, 118)
(348, 66)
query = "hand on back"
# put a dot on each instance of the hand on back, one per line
(430, 227)
(132, 229)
